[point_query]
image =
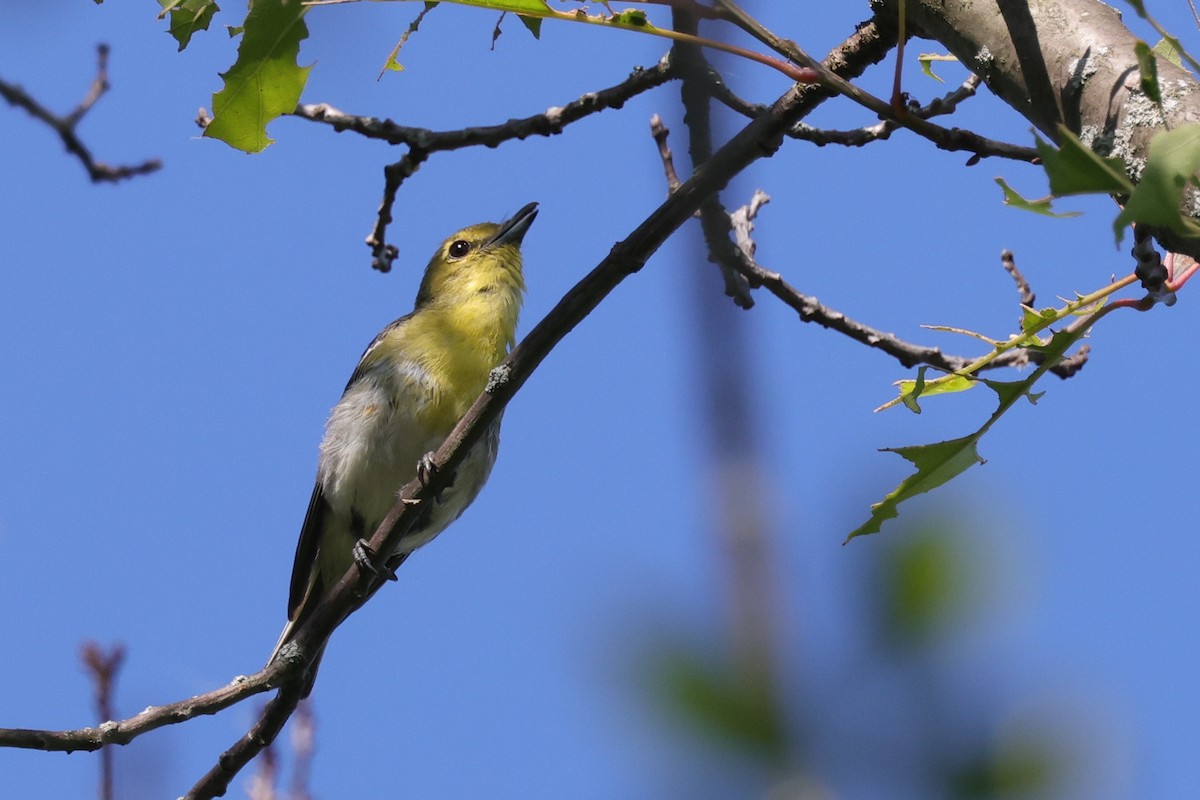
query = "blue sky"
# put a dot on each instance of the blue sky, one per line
(171, 346)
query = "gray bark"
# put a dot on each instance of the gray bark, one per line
(1063, 61)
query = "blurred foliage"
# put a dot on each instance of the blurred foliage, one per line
(921, 594)
(922, 586)
(741, 713)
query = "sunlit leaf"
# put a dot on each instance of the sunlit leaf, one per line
(1032, 320)
(633, 17)
(926, 61)
(910, 390)
(1171, 167)
(1167, 48)
(265, 81)
(1042, 206)
(188, 17)
(935, 463)
(1074, 168)
(515, 6)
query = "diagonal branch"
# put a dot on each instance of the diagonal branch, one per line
(759, 139)
(945, 138)
(65, 126)
(125, 731)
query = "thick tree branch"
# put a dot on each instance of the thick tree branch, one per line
(65, 126)
(945, 138)
(1068, 61)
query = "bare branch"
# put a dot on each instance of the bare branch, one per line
(103, 668)
(126, 731)
(422, 142)
(98, 171)
(883, 129)
(661, 132)
(230, 763)
(1009, 262)
(945, 138)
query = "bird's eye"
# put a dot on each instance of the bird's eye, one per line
(460, 248)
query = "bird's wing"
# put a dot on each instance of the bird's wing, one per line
(305, 565)
(368, 357)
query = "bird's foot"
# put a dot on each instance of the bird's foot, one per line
(364, 557)
(426, 469)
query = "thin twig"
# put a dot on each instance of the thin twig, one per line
(945, 138)
(64, 126)
(125, 731)
(1009, 262)
(423, 142)
(103, 667)
(661, 132)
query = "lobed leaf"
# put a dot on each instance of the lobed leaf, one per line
(265, 81)
(1171, 167)
(936, 464)
(1075, 168)
(187, 17)
(1042, 206)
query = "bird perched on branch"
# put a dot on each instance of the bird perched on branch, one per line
(410, 388)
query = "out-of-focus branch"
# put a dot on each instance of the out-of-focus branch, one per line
(103, 668)
(65, 126)
(422, 142)
(697, 118)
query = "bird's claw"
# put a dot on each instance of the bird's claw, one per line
(363, 555)
(426, 469)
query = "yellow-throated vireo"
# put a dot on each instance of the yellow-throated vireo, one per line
(411, 386)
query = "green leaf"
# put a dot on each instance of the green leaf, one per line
(935, 463)
(188, 17)
(1148, 69)
(535, 7)
(723, 703)
(633, 18)
(1042, 206)
(926, 61)
(393, 59)
(1074, 168)
(1168, 48)
(1053, 350)
(534, 24)
(265, 81)
(910, 390)
(1036, 320)
(1171, 166)
(1008, 391)
(924, 582)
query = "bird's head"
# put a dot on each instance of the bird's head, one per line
(481, 259)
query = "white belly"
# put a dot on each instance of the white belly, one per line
(372, 447)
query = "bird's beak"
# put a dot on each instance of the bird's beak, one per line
(513, 231)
